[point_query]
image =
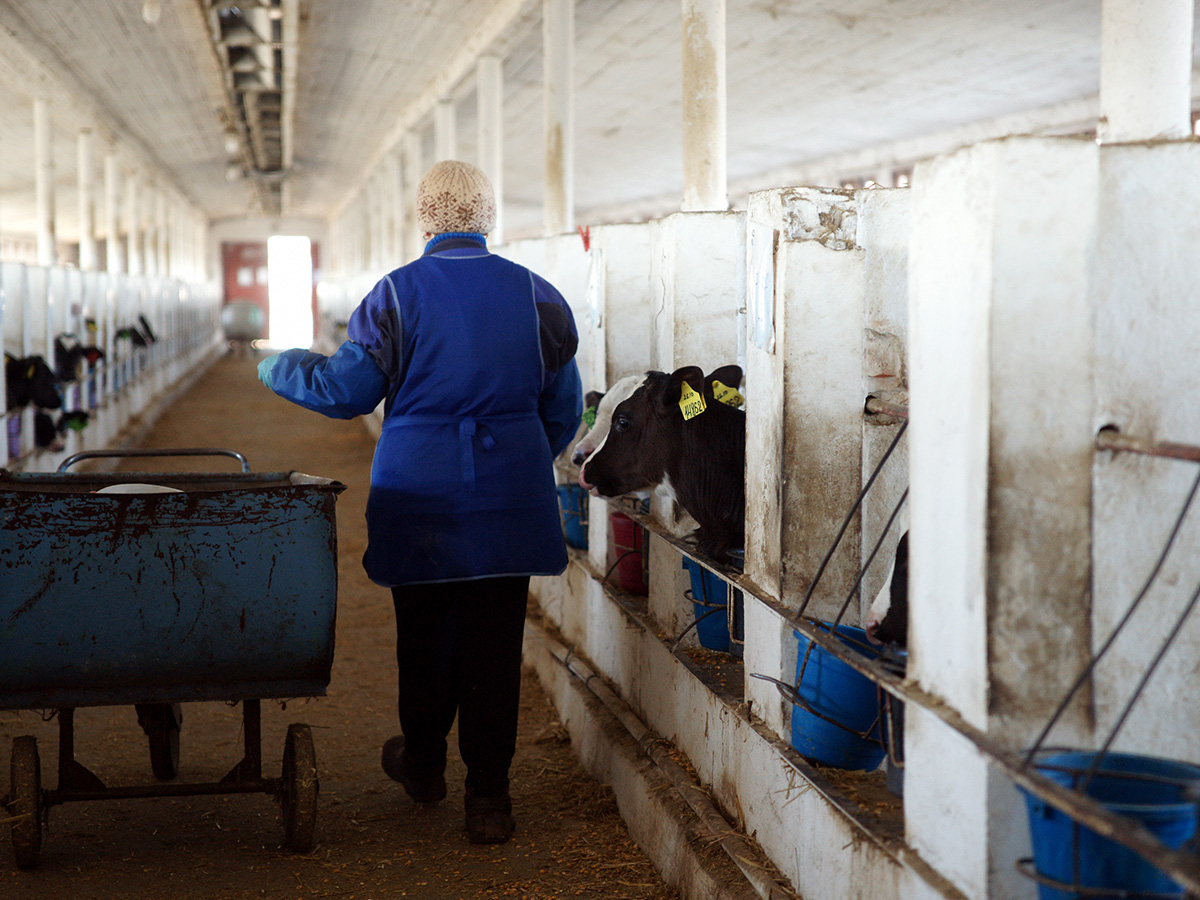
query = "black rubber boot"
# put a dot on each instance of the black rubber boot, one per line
(489, 819)
(425, 789)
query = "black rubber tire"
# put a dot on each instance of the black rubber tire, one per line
(162, 722)
(25, 800)
(299, 789)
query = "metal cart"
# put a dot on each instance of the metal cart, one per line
(206, 586)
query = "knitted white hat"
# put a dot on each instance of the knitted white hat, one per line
(455, 196)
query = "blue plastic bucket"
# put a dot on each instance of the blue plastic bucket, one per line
(573, 501)
(837, 692)
(1160, 805)
(710, 593)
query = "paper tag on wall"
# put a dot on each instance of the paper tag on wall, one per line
(727, 395)
(691, 403)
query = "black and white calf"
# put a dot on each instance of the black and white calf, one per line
(672, 433)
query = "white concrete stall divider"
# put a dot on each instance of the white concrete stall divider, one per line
(1147, 268)
(883, 232)
(1001, 440)
(697, 276)
(815, 347)
(616, 327)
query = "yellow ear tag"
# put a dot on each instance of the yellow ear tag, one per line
(691, 403)
(727, 395)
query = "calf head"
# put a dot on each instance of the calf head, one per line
(603, 405)
(659, 434)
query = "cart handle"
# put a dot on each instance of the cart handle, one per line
(200, 451)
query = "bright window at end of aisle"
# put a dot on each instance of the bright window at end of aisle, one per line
(289, 290)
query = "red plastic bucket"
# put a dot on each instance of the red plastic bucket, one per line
(627, 554)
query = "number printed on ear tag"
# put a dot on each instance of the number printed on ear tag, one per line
(727, 395)
(691, 403)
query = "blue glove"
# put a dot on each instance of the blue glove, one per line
(265, 367)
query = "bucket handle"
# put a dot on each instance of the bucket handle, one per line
(200, 451)
(1027, 868)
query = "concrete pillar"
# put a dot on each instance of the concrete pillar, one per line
(162, 219)
(202, 271)
(364, 231)
(150, 234)
(133, 222)
(704, 128)
(175, 251)
(114, 258)
(149, 230)
(414, 170)
(489, 78)
(445, 130)
(1000, 443)
(1145, 69)
(87, 203)
(47, 242)
(395, 208)
(558, 40)
(372, 210)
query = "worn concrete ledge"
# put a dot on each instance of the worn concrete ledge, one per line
(659, 819)
(823, 844)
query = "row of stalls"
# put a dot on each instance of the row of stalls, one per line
(1013, 333)
(87, 352)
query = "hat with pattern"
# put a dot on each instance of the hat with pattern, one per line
(455, 196)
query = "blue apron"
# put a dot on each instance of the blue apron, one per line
(462, 485)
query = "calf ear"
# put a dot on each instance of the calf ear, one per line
(592, 399)
(730, 376)
(693, 376)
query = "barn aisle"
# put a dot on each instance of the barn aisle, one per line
(372, 842)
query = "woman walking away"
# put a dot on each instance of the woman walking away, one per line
(473, 358)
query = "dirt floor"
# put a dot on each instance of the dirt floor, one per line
(372, 842)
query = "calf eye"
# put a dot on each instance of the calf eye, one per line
(621, 423)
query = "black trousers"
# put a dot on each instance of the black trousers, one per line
(458, 646)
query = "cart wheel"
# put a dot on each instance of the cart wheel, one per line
(299, 789)
(162, 722)
(25, 801)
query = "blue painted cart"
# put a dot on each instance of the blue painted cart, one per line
(195, 586)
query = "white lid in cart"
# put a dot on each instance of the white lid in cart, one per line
(138, 489)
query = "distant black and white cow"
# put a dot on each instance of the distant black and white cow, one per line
(887, 619)
(30, 380)
(672, 433)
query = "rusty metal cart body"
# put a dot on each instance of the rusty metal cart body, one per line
(214, 586)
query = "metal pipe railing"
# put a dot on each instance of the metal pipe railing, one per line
(1181, 865)
(1111, 439)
